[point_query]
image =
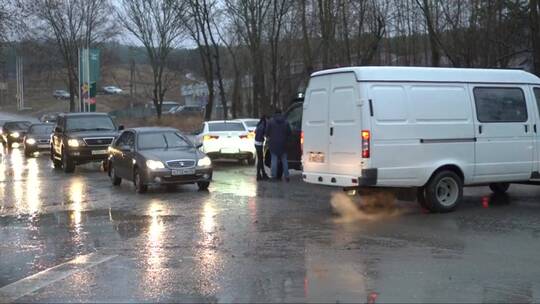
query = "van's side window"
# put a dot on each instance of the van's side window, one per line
(537, 97)
(500, 105)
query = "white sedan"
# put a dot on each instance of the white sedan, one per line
(112, 90)
(250, 123)
(227, 140)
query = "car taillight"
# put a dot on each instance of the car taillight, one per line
(301, 141)
(210, 137)
(243, 137)
(366, 137)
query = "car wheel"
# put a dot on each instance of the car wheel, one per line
(140, 187)
(115, 180)
(499, 188)
(203, 186)
(444, 192)
(67, 163)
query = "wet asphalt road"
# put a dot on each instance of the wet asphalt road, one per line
(72, 238)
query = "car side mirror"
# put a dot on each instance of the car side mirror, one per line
(58, 130)
(198, 146)
(120, 128)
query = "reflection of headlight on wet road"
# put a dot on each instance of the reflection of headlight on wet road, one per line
(204, 162)
(31, 141)
(154, 164)
(15, 134)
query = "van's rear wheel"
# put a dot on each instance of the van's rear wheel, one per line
(499, 188)
(443, 192)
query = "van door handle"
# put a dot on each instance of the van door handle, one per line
(331, 131)
(526, 128)
(480, 129)
(534, 127)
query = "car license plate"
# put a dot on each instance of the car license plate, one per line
(43, 146)
(183, 172)
(229, 151)
(99, 152)
(316, 157)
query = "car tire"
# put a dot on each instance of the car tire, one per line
(203, 186)
(444, 192)
(499, 188)
(115, 180)
(67, 164)
(140, 187)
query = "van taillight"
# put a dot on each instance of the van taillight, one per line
(366, 137)
(301, 142)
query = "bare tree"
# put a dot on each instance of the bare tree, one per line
(250, 16)
(201, 23)
(72, 24)
(534, 26)
(159, 26)
(279, 9)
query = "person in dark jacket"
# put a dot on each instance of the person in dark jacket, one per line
(278, 132)
(259, 145)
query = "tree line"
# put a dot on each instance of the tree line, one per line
(275, 45)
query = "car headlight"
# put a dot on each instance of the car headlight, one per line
(154, 164)
(204, 162)
(73, 143)
(31, 141)
(15, 134)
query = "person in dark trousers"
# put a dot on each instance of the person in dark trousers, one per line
(278, 132)
(259, 145)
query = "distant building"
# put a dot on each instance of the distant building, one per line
(196, 94)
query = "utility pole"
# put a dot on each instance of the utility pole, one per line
(131, 81)
(20, 82)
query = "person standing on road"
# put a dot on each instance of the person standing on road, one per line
(278, 132)
(259, 145)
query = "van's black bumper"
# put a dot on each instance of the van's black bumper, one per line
(368, 179)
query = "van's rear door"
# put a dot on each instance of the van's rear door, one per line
(315, 125)
(345, 144)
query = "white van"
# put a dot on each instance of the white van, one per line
(436, 129)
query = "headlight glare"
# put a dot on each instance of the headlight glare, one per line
(31, 141)
(154, 164)
(204, 162)
(73, 143)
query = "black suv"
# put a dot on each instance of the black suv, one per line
(293, 116)
(81, 138)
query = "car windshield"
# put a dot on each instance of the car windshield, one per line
(225, 126)
(89, 123)
(18, 125)
(41, 129)
(251, 123)
(162, 141)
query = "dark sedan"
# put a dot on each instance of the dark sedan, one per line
(14, 132)
(38, 138)
(157, 156)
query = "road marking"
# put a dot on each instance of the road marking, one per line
(35, 282)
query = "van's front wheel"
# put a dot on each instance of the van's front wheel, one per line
(443, 192)
(499, 188)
